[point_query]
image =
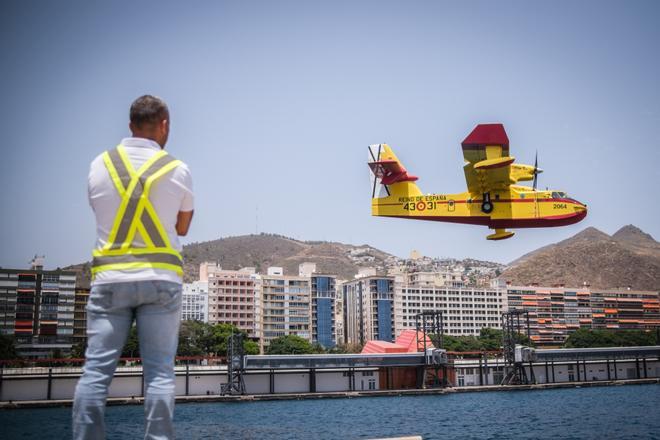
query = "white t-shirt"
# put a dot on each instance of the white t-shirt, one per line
(170, 194)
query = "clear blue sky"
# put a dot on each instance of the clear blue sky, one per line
(273, 105)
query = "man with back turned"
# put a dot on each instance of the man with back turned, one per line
(142, 199)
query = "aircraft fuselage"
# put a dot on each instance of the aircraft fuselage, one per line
(520, 207)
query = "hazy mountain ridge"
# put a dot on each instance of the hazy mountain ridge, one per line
(344, 260)
(627, 258)
(264, 250)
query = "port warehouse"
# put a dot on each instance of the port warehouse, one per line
(301, 374)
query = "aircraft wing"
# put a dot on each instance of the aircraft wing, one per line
(487, 161)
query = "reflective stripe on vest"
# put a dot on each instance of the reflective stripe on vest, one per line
(137, 214)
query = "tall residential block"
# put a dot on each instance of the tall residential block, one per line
(80, 316)
(232, 298)
(284, 306)
(324, 297)
(368, 306)
(339, 313)
(37, 308)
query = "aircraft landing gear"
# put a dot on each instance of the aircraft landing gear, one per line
(487, 205)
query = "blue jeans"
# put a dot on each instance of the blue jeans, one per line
(156, 306)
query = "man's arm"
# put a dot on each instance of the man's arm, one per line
(183, 220)
(185, 215)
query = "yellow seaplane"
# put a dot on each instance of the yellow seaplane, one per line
(493, 198)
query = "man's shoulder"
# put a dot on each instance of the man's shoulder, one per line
(99, 157)
(182, 171)
(97, 162)
(182, 166)
(181, 174)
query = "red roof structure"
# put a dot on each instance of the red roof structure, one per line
(383, 347)
(408, 339)
(486, 134)
(405, 343)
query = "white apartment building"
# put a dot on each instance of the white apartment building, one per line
(195, 301)
(284, 306)
(465, 310)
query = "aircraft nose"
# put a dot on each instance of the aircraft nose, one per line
(580, 207)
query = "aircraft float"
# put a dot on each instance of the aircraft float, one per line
(493, 199)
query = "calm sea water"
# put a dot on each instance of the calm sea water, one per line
(631, 412)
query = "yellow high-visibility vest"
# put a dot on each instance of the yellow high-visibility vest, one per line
(137, 214)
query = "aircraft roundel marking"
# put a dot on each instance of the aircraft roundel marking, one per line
(421, 206)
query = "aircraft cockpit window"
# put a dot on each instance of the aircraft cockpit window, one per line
(558, 195)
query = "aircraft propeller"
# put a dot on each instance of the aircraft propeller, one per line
(536, 169)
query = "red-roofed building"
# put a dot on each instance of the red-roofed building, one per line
(406, 377)
(409, 339)
(406, 343)
(383, 347)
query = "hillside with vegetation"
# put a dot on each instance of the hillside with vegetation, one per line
(628, 258)
(344, 260)
(264, 250)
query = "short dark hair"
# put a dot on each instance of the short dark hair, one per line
(148, 109)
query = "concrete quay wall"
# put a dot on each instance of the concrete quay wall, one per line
(339, 395)
(193, 381)
(59, 383)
